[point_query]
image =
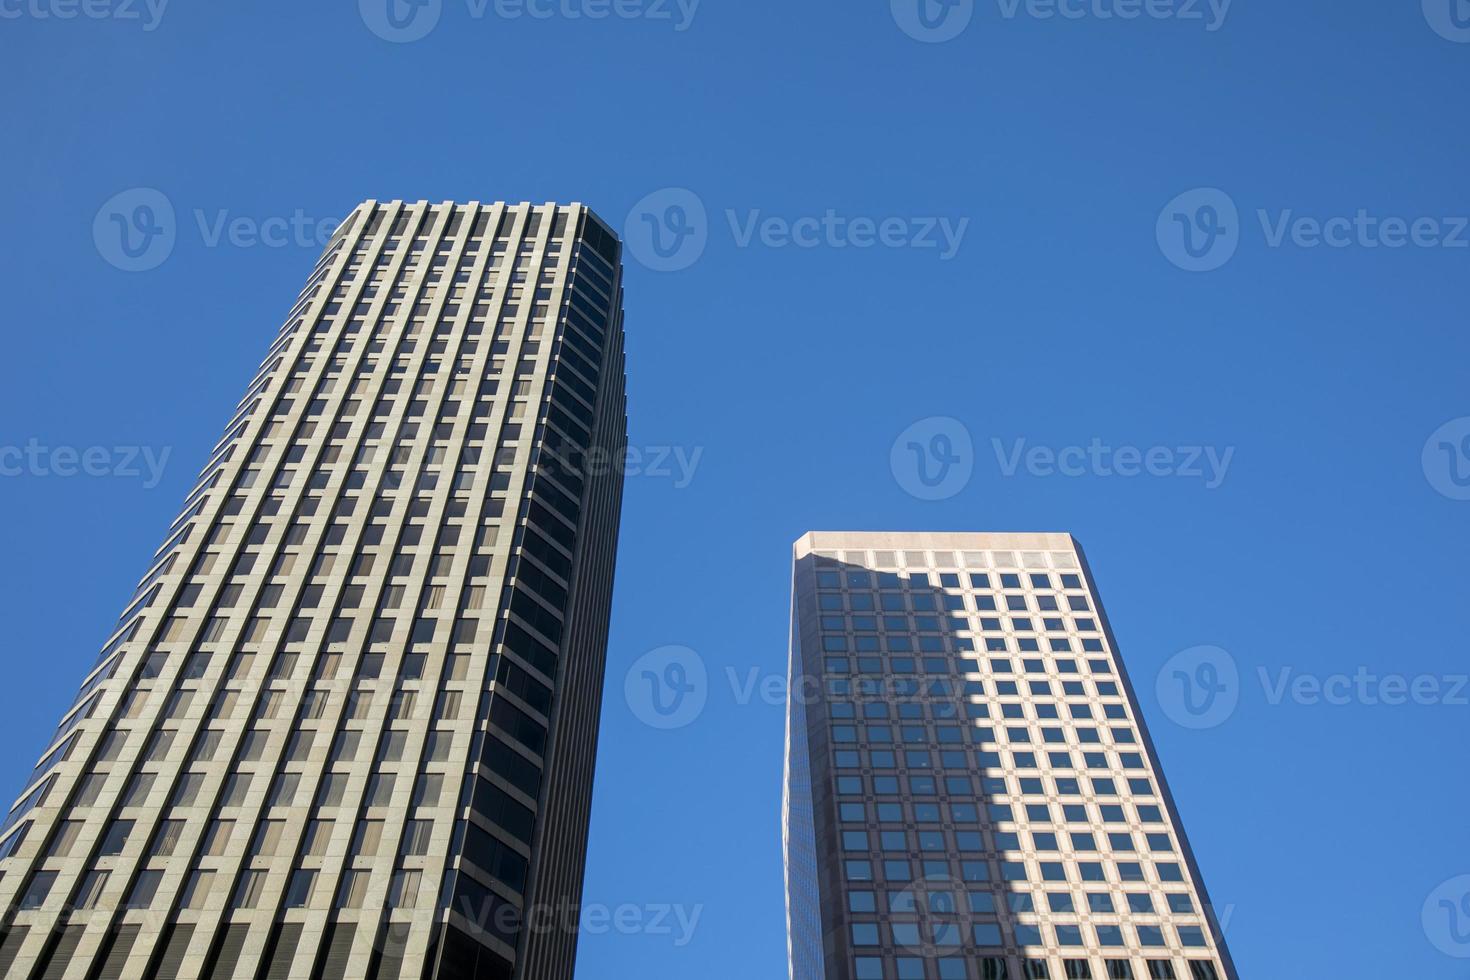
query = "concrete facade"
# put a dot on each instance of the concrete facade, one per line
(971, 793)
(347, 726)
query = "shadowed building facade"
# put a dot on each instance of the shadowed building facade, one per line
(346, 727)
(971, 793)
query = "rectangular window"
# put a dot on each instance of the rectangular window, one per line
(369, 835)
(251, 885)
(144, 889)
(66, 836)
(298, 894)
(37, 891)
(116, 838)
(403, 892)
(318, 835)
(416, 835)
(196, 892)
(91, 888)
(354, 888)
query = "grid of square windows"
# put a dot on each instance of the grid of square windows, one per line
(991, 799)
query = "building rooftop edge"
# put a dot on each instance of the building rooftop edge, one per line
(961, 540)
(424, 202)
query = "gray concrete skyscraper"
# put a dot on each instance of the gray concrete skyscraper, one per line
(971, 793)
(346, 727)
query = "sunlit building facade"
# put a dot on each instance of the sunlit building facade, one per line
(971, 793)
(346, 727)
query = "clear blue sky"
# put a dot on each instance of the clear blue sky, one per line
(1061, 319)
